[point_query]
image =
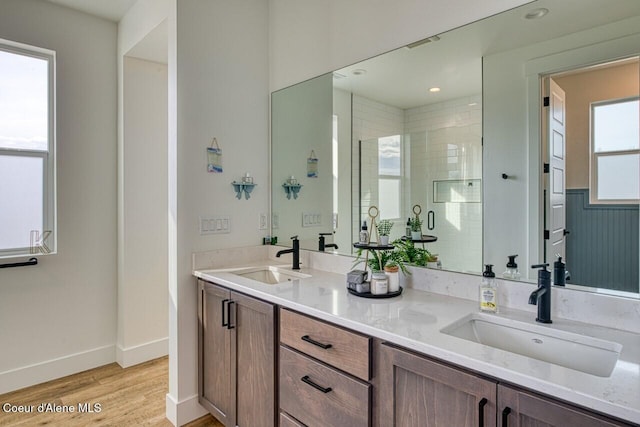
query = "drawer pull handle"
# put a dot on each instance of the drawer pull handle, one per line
(225, 322)
(306, 380)
(505, 416)
(481, 406)
(229, 325)
(308, 339)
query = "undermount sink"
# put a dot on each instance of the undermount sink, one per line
(270, 275)
(586, 354)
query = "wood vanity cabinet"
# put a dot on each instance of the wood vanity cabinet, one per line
(518, 408)
(324, 373)
(419, 392)
(236, 357)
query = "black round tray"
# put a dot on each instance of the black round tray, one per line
(373, 246)
(375, 296)
(426, 238)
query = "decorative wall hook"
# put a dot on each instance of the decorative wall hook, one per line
(243, 187)
(291, 190)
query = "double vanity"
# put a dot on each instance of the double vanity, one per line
(293, 348)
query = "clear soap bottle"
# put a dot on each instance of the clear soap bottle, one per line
(512, 269)
(364, 234)
(489, 291)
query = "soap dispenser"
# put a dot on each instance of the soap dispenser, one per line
(512, 269)
(559, 275)
(364, 234)
(489, 290)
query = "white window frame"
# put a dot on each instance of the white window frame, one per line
(593, 157)
(48, 246)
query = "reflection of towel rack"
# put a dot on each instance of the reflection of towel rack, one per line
(32, 261)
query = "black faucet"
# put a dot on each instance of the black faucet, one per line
(542, 296)
(322, 245)
(295, 250)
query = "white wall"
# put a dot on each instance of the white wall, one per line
(223, 91)
(512, 207)
(59, 317)
(143, 130)
(143, 325)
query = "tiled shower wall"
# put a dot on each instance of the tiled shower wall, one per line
(446, 145)
(442, 141)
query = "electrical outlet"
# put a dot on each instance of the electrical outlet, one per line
(275, 221)
(262, 221)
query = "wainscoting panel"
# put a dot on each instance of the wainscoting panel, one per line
(602, 247)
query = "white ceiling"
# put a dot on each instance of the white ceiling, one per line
(112, 10)
(454, 63)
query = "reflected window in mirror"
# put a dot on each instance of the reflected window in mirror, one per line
(615, 151)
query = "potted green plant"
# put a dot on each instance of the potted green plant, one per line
(378, 260)
(384, 228)
(416, 228)
(411, 254)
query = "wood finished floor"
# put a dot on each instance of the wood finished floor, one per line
(129, 397)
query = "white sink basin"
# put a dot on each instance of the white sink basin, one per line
(586, 354)
(270, 275)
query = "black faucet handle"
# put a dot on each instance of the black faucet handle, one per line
(294, 237)
(542, 266)
(325, 234)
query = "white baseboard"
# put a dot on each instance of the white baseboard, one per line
(37, 373)
(141, 353)
(181, 413)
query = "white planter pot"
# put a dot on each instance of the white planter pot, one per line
(384, 240)
(416, 235)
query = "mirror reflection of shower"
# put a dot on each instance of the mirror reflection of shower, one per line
(440, 169)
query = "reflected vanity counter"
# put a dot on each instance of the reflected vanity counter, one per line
(417, 318)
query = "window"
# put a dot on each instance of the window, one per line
(389, 176)
(615, 151)
(27, 150)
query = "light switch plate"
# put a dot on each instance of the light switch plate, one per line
(214, 224)
(311, 219)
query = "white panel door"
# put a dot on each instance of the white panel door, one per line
(556, 204)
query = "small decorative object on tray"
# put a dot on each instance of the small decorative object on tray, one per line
(384, 263)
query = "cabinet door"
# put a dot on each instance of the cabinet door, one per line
(415, 391)
(518, 408)
(253, 339)
(214, 354)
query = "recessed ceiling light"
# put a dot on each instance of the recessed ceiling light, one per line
(471, 104)
(434, 89)
(536, 13)
(359, 72)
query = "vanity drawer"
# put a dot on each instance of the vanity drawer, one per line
(318, 395)
(287, 420)
(343, 349)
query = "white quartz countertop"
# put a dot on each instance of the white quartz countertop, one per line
(414, 320)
